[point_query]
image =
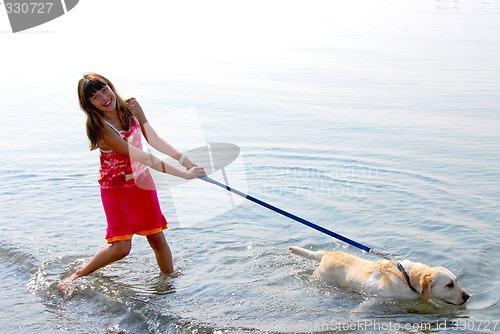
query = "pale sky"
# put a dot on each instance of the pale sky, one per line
(187, 29)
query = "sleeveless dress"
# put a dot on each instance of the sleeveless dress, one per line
(128, 192)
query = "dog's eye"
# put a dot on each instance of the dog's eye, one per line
(451, 285)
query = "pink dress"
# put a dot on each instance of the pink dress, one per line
(128, 192)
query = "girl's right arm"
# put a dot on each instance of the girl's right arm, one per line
(115, 142)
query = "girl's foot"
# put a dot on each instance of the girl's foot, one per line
(66, 284)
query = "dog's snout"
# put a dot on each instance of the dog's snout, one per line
(465, 297)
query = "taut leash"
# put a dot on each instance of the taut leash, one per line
(312, 225)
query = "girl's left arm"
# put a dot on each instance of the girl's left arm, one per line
(153, 138)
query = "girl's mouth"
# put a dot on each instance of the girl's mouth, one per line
(108, 103)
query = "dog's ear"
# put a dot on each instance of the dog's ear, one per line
(426, 282)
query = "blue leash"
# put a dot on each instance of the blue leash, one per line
(289, 215)
(312, 225)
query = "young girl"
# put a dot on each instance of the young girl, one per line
(128, 192)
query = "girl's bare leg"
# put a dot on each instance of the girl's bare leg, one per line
(116, 251)
(162, 252)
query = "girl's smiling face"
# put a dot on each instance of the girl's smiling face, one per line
(104, 99)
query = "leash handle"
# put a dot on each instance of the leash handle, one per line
(289, 215)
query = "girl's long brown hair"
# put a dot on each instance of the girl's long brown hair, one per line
(96, 128)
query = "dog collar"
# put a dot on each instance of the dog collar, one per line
(405, 275)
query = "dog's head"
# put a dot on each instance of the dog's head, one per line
(440, 283)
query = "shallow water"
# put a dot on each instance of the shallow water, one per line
(387, 134)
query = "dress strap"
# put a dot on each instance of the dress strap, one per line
(113, 127)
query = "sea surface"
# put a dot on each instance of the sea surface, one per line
(384, 128)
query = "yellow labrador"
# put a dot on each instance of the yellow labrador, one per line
(383, 278)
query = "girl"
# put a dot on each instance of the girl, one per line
(128, 192)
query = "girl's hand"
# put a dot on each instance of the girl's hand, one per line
(195, 172)
(188, 164)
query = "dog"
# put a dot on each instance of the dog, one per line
(383, 278)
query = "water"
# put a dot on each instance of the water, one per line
(383, 128)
